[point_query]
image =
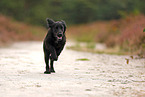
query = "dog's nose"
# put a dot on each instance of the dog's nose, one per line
(59, 34)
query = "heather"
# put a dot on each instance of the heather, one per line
(11, 31)
(127, 33)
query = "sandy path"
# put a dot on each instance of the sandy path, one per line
(22, 67)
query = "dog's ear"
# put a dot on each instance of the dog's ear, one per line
(64, 24)
(49, 22)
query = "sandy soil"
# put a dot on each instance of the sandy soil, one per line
(22, 66)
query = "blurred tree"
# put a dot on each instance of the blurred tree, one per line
(72, 11)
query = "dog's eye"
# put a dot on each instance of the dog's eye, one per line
(56, 27)
(61, 27)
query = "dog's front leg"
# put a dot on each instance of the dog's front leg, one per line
(51, 67)
(60, 49)
(47, 64)
(53, 55)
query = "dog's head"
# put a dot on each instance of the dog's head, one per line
(58, 28)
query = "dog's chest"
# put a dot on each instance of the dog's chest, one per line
(57, 45)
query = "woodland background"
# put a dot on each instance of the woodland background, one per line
(113, 22)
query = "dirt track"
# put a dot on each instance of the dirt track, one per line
(22, 66)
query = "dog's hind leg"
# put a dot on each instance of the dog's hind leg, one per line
(52, 68)
(47, 65)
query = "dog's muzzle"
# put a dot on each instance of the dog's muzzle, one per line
(59, 36)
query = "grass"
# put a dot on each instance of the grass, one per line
(82, 59)
(91, 47)
(112, 51)
(144, 30)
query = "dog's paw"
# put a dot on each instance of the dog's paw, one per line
(55, 59)
(52, 71)
(47, 72)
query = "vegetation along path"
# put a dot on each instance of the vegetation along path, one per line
(78, 74)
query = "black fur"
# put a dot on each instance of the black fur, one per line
(53, 43)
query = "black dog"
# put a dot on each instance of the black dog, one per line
(53, 43)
